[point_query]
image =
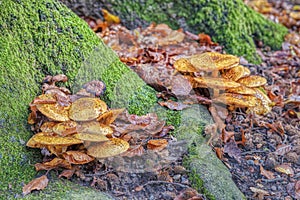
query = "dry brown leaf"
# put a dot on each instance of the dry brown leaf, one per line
(282, 149)
(67, 173)
(173, 105)
(157, 145)
(134, 151)
(77, 157)
(36, 184)
(266, 173)
(54, 163)
(297, 190)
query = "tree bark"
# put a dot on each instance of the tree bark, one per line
(43, 37)
(230, 23)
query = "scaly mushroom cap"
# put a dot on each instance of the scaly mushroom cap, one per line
(65, 128)
(48, 126)
(107, 149)
(87, 109)
(236, 73)
(91, 137)
(212, 61)
(237, 100)
(217, 83)
(242, 90)
(184, 65)
(94, 127)
(55, 111)
(110, 116)
(43, 140)
(265, 103)
(252, 81)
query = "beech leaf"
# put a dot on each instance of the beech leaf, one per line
(36, 184)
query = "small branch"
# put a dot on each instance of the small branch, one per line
(165, 182)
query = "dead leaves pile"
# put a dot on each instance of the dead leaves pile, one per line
(73, 130)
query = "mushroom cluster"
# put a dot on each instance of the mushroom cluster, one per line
(232, 83)
(80, 122)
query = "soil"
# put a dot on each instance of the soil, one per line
(268, 163)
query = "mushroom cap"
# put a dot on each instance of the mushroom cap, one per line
(264, 106)
(237, 100)
(94, 127)
(65, 128)
(217, 83)
(55, 111)
(107, 149)
(242, 90)
(184, 65)
(91, 137)
(54, 140)
(252, 81)
(212, 61)
(86, 109)
(236, 73)
(109, 116)
(48, 126)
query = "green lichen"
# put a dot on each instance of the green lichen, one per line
(230, 23)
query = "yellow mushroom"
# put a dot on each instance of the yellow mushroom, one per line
(253, 81)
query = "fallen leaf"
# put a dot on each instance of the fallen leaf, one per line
(54, 163)
(297, 190)
(36, 184)
(173, 105)
(157, 145)
(110, 18)
(134, 151)
(233, 150)
(266, 173)
(77, 157)
(282, 149)
(285, 168)
(67, 173)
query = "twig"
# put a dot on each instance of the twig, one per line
(165, 182)
(272, 180)
(254, 151)
(98, 174)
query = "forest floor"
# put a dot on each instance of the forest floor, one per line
(263, 155)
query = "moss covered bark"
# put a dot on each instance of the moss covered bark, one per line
(43, 37)
(38, 38)
(230, 23)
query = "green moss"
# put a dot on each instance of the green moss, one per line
(230, 23)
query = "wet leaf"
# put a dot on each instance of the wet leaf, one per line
(233, 150)
(266, 173)
(283, 149)
(285, 168)
(77, 157)
(173, 105)
(54, 163)
(36, 184)
(205, 39)
(157, 145)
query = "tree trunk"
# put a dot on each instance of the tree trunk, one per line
(43, 37)
(230, 23)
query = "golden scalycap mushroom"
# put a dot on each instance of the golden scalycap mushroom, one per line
(217, 83)
(265, 103)
(252, 81)
(55, 140)
(33, 143)
(86, 109)
(109, 116)
(242, 90)
(211, 61)
(236, 73)
(48, 126)
(90, 137)
(107, 149)
(65, 128)
(94, 127)
(237, 100)
(184, 65)
(55, 111)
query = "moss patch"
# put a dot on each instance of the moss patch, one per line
(230, 23)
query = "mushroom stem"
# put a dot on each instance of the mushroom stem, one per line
(216, 92)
